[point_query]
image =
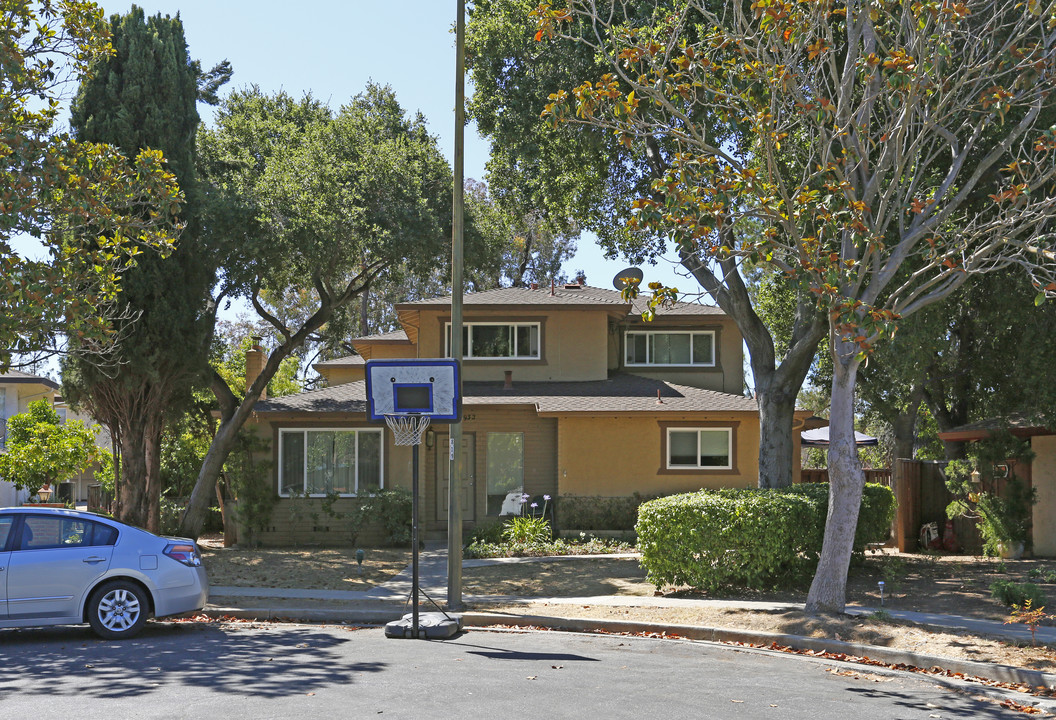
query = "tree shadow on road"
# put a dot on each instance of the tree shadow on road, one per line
(71, 661)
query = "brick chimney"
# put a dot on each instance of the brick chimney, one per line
(255, 364)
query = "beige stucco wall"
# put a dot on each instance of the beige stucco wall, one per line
(1043, 477)
(342, 375)
(620, 455)
(726, 376)
(574, 343)
(540, 456)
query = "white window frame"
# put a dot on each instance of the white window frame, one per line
(648, 348)
(698, 466)
(304, 453)
(468, 349)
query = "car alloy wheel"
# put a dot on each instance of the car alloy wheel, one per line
(117, 609)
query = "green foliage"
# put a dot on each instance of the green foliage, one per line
(599, 513)
(41, 449)
(489, 532)
(559, 546)
(59, 190)
(527, 530)
(392, 508)
(1002, 507)
(750, 538)
(1011, 593)
(145, 95)
(250, 481)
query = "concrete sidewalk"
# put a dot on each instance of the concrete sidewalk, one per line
(391, 600)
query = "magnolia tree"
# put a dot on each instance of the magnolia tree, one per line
(864, 137)
(89, 208)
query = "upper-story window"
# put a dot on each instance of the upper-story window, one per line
(671, 347)
(498, 340)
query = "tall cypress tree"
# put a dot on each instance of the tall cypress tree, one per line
(145, 96)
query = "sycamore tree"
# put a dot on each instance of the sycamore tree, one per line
(56, 191)
(42, 449)
(320, 200)
(870, 130)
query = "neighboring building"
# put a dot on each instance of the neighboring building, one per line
(17, 391)
(567, 391)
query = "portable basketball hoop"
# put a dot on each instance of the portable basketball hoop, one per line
(409, 394)
(407, 429)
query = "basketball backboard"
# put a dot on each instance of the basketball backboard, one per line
(414, 386)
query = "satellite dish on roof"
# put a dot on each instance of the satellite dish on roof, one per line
(631, 274)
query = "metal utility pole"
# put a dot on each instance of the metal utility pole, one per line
(454, 494)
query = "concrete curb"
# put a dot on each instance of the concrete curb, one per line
(1000, 673)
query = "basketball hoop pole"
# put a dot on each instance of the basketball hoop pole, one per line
(454, 485)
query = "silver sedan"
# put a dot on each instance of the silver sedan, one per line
(59, 567)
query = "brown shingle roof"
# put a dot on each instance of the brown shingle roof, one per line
(584, 295)
(396, 336)
(346, 361)
(620, 393)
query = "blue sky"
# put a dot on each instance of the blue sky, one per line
(332, 48)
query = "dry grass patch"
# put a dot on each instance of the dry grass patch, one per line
(870, 631)
(310, 568)
(577, 577)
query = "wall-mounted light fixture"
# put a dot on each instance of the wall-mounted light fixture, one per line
(430, 438)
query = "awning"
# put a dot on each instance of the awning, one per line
(819, 437)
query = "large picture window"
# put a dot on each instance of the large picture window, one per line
(505, 472)
(498, 340)
(671, 348)
(700, 448)
(325, 461)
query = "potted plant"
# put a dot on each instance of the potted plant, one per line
(985, 488)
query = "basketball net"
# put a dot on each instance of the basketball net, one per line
(407, 429)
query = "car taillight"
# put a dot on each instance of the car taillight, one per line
(186, 553)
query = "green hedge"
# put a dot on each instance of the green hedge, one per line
(752, 538)
(583, 512)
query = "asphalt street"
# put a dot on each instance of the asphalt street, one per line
(194, 670)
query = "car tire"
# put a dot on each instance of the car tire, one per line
(118, 609)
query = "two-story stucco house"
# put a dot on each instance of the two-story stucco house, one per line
(567, 391)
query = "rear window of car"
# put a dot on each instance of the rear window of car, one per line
(5, 530)
(40, 532)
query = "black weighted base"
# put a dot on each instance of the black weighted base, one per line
(431, 626)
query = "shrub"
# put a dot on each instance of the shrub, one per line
(489, 532)
(527, 530)
(1012, 594)
(578, 512)
(747, 537)
(392, 507)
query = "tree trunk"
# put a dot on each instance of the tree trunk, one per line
(223, 443)
(776, 415)
(828, 591)
(777, 386)
(904, 427)
(131, 492)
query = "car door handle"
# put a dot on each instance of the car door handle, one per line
(93, 559)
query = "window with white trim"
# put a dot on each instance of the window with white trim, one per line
(518, 341)
(329, 460)
(700, 448)
(671, 348)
